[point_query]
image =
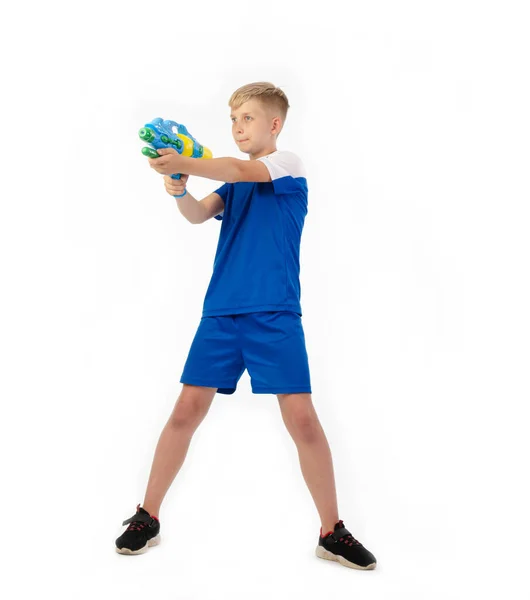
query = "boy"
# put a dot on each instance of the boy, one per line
(251, 315)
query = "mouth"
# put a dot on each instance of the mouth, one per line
(241, 141)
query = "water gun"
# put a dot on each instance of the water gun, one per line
(161, 134)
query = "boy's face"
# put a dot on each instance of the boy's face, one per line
(255, 128)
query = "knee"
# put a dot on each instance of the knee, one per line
(307, 428)
(303, 425)
(189, 411)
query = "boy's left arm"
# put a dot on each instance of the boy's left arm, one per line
(230, 170)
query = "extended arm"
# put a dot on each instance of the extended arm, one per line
(230, 170)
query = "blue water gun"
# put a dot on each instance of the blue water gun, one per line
(161, 134)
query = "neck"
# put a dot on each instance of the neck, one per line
(264, 152)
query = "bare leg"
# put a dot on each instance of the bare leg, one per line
(189, 411)
(314, 454)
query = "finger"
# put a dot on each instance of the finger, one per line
(175, 189)
(174, 184)
(163, 151)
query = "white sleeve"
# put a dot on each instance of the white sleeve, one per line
(287, 171)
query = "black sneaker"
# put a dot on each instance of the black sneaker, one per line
(341, 546)
(143, 531)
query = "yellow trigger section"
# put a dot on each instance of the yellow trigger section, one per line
(206, 152)
(188, 144)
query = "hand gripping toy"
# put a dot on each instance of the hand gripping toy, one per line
(161, 134)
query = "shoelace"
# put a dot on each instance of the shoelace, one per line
(137, 525)
(348, 538)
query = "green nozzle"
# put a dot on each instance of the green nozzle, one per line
(150, 152)
(174, 142)
(146, 134)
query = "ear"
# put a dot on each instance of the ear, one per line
(276, 125)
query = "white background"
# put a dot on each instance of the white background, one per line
(412, 120)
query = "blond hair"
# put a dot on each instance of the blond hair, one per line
(271, 97)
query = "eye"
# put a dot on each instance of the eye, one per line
(248, 117)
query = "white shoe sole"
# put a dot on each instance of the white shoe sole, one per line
(152, 542)
(327, 555)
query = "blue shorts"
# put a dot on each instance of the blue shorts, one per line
(271, 345)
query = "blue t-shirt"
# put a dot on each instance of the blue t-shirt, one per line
(257, 262)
